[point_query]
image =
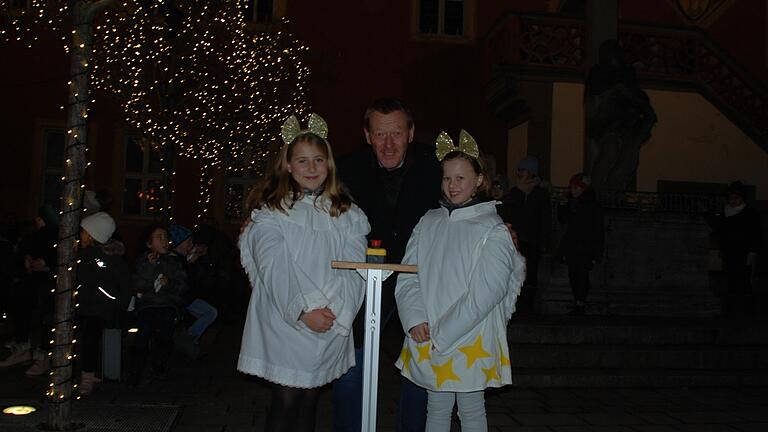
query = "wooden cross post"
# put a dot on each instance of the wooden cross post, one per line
(374, 274)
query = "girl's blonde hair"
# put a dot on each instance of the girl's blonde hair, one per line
(278, 187)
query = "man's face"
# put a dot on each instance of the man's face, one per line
(389, 135)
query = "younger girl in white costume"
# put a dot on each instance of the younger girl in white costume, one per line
(455, 310)
(297, 331)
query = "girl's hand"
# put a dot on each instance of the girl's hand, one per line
(318, 320)
(420, 333)
(152, 257)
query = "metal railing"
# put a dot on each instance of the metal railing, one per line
(649, 201)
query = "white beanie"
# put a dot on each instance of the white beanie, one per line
(100, 226)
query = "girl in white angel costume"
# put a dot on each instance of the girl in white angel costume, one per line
(297, 331)
(455, 309)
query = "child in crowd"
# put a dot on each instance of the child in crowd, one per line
(297, 331)
(582, 244)
(205, 314)
(159, 282)
(103, 291)
(455, 309)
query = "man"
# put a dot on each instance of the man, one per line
(736, 228)
(394, 181)
(526, 210)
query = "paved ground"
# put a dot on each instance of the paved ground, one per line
(212, 396)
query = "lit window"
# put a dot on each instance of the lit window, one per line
(241, 176)
(141, 190)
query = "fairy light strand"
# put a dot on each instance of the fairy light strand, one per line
(200, 81)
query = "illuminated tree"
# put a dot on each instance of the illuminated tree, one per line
(191, 79)
(195, 81)
(58, 15)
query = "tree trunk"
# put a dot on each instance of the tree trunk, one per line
(60, 394)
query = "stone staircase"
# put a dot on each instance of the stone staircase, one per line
(601, 351)
(655, 264)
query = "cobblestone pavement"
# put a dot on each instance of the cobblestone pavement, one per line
(213, 397)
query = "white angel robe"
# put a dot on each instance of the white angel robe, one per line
(469, 278)
(288, 261)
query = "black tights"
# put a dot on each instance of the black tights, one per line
(292, 409)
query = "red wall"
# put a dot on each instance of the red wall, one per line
(358, 50)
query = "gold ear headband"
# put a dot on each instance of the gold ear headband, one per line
(467, 145)
(291, 128)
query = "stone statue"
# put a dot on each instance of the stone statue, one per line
(619, 119)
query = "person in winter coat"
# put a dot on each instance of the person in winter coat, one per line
(395, 181)
(455, 310)
(159, 281)
(32, 310)
(298, 330)
(103, 291)
(582, 244)
(737, 230)
(526, 208)
(205, 314)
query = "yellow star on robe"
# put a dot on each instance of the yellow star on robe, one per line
(504, 360)
(444, 372)
(490, 374)
(424, 352)
(474, 351)
(405, 356)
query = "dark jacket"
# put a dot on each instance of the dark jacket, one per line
(145, 275)
(201, 277)
(415, 188)
(737, 235)
(394, 202)
(104, 288)
(529, 215)
(585, 235)
(41, 244)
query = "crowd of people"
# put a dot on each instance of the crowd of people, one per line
(476, 241)
(171, 294)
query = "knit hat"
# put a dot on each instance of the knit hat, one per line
(177, 234)
(48, 214)
(100, 226)
(529, 163)
(581, 180)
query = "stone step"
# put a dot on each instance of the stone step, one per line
(649, 357)
(599, 330)
(544, 378)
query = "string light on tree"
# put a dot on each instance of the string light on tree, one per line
(195, 81)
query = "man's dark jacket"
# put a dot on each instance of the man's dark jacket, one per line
(394, 202)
